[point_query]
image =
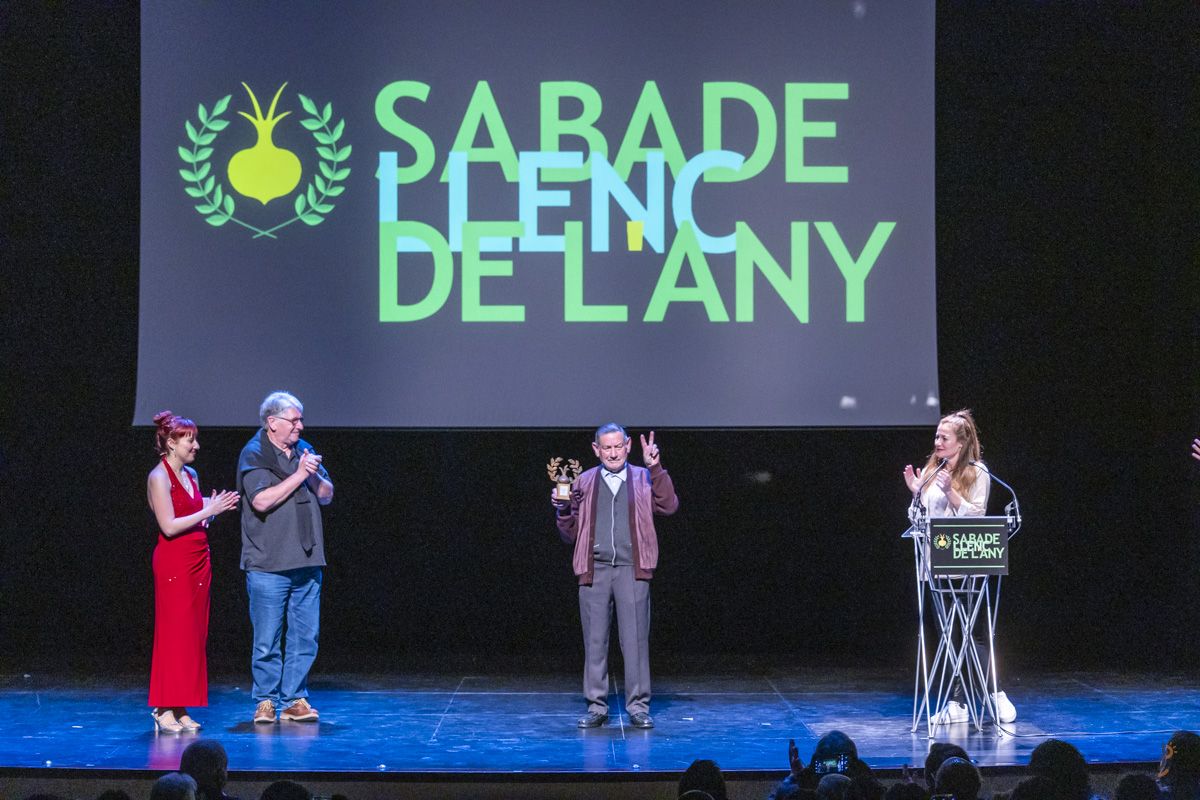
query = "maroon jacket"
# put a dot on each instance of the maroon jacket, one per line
(650, 492)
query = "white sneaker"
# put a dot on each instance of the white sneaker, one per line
(1005, 710)
(952, 712)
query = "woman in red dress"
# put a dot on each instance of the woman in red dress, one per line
(179, 670)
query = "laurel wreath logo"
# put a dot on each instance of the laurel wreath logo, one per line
(311, 206)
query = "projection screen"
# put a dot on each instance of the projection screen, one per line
(539, 214)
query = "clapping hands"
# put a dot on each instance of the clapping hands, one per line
(310, 462)
(220, 502)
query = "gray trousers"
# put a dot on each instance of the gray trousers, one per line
(616, 588)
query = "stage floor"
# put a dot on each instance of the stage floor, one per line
(436, 723)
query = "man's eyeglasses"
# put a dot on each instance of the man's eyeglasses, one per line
(291, 420)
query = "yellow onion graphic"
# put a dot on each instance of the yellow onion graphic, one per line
(264, 171)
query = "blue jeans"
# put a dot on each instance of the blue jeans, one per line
(296, 595)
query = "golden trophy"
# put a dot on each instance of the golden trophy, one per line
(563, 477)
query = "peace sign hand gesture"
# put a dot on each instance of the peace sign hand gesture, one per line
(650, 455)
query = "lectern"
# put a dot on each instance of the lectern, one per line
(960, 562)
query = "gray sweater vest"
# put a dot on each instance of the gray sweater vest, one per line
(613, 545)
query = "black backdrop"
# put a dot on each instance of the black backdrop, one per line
(1067, 283)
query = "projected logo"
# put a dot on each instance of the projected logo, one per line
(259, 170)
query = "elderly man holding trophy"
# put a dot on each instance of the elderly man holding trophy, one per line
(607, 513)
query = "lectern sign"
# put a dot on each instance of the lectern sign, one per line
(968, 546)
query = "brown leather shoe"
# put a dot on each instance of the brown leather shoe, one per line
(300, 711)
(264, 714)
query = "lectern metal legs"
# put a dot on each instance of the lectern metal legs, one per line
(957, 603)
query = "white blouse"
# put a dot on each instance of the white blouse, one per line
(974, 500)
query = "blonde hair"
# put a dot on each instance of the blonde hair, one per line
(963, 424)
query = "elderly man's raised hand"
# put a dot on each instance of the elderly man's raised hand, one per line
(650, 454)
(561, 506)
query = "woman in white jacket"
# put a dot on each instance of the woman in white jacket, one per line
(950, 485)
(958, 489)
